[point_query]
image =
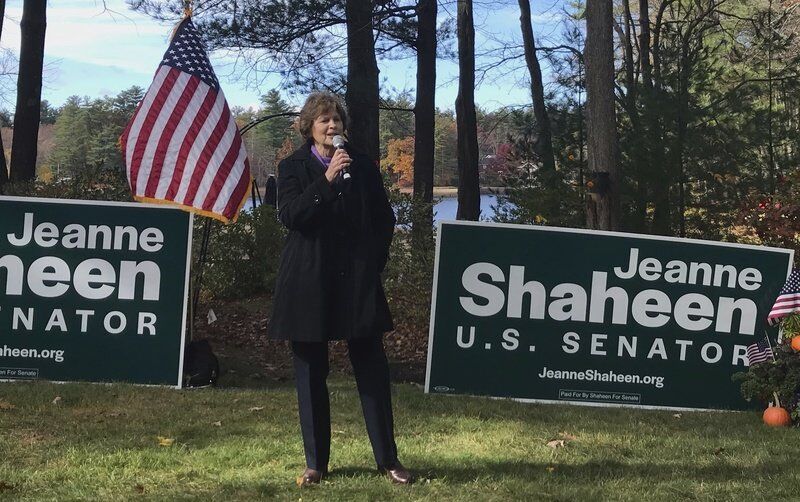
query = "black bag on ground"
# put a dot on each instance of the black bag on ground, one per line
(200, 365)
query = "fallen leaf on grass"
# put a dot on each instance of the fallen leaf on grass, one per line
(139, 488)
(556, 443)
(256, 408)
(5, 405)
(57, 400)
(28, 437)
(162, 441)
(677, 415)
(217, 423)
(550, 468)
(719, 451)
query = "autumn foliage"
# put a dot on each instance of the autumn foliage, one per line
(399, 161)
(775, 218)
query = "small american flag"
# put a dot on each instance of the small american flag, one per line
(759, 352)
(182, 145)
(788, 301)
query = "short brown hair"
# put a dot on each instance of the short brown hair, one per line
(316, 104)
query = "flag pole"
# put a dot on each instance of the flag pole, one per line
(771, 350)
(187, 13)
(255, 194)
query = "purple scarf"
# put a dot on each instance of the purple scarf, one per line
(325, 160)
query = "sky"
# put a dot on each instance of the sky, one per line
(89, 52)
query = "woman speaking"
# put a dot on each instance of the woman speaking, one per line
(340, 225)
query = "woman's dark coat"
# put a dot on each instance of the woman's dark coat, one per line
(329, 285)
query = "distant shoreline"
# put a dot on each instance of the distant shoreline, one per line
(449, 191)
(442, 191)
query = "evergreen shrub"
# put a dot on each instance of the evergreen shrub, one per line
(408, 277)
(92, 185)
(781, 376)
(242, 258)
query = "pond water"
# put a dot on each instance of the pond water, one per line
(445, 208)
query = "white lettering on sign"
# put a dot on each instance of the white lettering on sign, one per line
(77, 236)
(651, 308)
(93, 279)
(679, 272)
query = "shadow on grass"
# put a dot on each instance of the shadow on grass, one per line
(614, 448)
(264, 490)
(246, 382)
(406, 372)
(652, 473)
(598, 477)
(237, 374)
(351, 472)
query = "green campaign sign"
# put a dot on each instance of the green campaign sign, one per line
(92, 291)
(538, 313)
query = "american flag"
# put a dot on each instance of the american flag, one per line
(182, 145)
(788, 301)
(759, 352)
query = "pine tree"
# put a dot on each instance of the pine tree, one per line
(72, 136)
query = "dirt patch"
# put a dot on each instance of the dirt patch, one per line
(239, 338)
(28, 437)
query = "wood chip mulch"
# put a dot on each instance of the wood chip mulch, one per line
(238, 337)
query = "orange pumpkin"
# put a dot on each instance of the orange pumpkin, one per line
(796, 343)
(775, 416)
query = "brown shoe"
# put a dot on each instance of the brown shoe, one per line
(309, 477)
(397, 474)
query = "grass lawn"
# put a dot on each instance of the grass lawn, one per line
(101, 442)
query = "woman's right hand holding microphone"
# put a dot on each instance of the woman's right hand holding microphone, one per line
(341, 160)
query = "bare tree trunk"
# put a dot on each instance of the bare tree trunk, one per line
(424, 122)
(29, 91)
(644, 44)
(469, 193)
(544, 143)
(639, 157)
(603, 207)
(581, 139)
(362, 79)
(661, 175)
(680, 139)
(770, 136)
(3, 166)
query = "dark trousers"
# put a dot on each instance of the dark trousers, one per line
(371, 370)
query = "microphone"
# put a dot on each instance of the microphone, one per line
(338, 143)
